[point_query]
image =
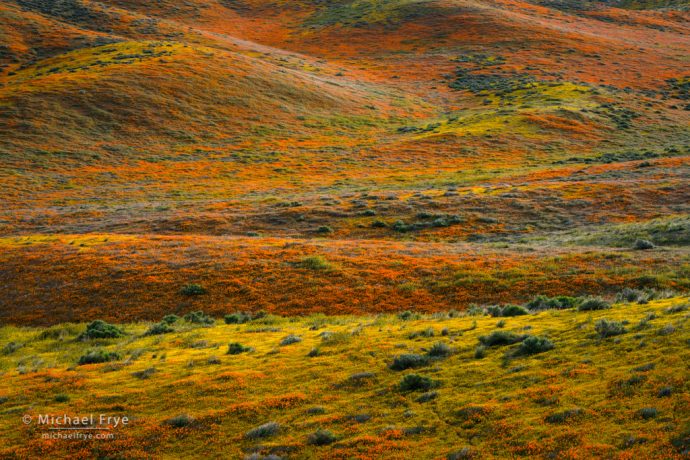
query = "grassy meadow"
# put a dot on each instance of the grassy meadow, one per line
(609, 382)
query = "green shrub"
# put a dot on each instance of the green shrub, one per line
(193, 290)
(426, 397)
(316, 263)
(198, 317)
(564, 416)
(462, 454)
(648, 412)
(98, 356)
(11, 347)
(61, 398)
(500, 338)
(290, 339)
(180, 421)
(100, 330)
(480, 352)
(324, 230)
(542, 302)
(514, 310)
(508, 310)
(321, 438)
(415, 382)
(237, 318)
(440, 350)
(428, 332)
(145, 374)
(379, 224)
(237, 348)
(171, 319)
(159, 328)
(408, 361)
(606, 328)
(263, 431)
(643, 245)
(407, 315)
(533, 345)
(594, 303)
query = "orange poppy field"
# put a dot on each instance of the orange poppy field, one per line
(357, 229)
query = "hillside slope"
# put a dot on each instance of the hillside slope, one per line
(171, 130)
(341, 389)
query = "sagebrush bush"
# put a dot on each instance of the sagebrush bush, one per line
(500, 338)
(416, 382)
(648, 412)
(171, 319)
(533, 345)
(407, 315)
(564, 416)
(542, 302)
(514, 310)
(237, 348)
(98, 356)
(607, 328)
(408, 361)
(507, 310)
(99, 329)
(429, 332)
(290, 339)
(324, 230)
(594, 303)
(263, 431)
(192, 290)
(315, 263)
(480, 352)
(237, 318)
(11, 347)
(440, 350)
(198, 317)
(643, 245)
(159, 328)
(180, 421)
(321, 438)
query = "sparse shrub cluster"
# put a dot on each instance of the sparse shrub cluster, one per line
(642, 296)
(199, 317)
(434, 222)
(542, 302)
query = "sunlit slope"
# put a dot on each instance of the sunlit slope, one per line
(604, 384)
